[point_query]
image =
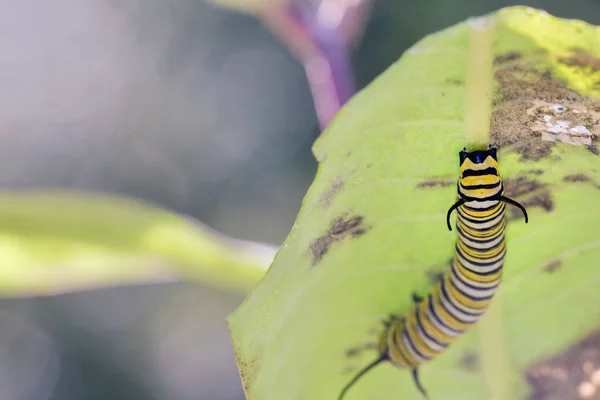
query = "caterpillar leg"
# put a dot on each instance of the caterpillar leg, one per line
(417, 298)
(388, 321)
(415, 374)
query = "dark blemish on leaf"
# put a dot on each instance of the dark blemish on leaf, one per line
(552, 266)
(576, 178)
(369, 165)
(536, 171)
(506, 57)
(429, 183)
(443, 94)
(319, 247)
(355, 351)
(469, 361)
(593, 147)
(520, 186)
(456, 82)
(561, 376)
(532, 194)
(331, 193)
(339, 228)
(523, 98)
(541, 200)
(348, 154)
(358, 232)
(522, 83)
(582, 59)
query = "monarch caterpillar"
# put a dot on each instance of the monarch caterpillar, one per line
(467, 287)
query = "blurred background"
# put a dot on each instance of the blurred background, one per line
(198, 108)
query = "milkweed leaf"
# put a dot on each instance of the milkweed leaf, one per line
(371, 230)
(56, 242)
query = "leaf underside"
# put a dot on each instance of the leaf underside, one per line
(57, 242)
(372, 226)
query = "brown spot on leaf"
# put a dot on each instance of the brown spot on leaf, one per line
(582, 59)
(533, 110)
(562, 376)
(536, 171)
(520, 186)
(435, 183)
(522, 83)
(456, 82)
(355, 351)
(506, 57)
(552, 266)
(540, 199)
(339, 228)
(533, 193)
(576, 178)
(469, 361)
(331, 193)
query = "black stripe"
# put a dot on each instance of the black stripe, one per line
(427, 333)
(483, 231)
(481, 186)
(476, 239)
(479, 220)
(449, 299)
(490, 248)
(482, 172)
(462, 236)
(480, 200)
(474, 261)
(492, 272)
(413, 346)
(440, 321)
(472, 285)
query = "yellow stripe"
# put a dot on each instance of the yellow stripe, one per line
(484, 215)
(474, 277)
(489, 162)
(398, 353)
(473, 180)
(469, 233)
(429, 326)
(448, 318)
(418, 340)
(489, 254)
(465, 300)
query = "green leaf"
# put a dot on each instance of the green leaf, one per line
(53, 242)
(372, 226)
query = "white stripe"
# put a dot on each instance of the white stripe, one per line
(481, 246)
(408, 346)
(481, 225)
(481, 270)
(481, 292)
(457, 313)
(431, 344)
(439, 325)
